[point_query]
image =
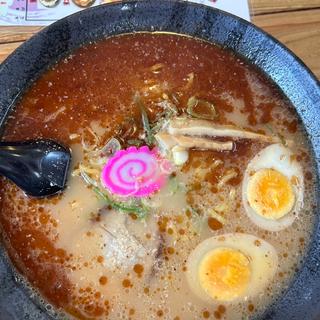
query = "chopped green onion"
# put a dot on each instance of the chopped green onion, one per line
(173, 185)
(158, 126)
(135, 142)
(169, 110)
(139, 211)
(193, 211)
(145, 120)
(194, 103)
(282, 139)
(269, 128)
(197, 219)
(87, 179)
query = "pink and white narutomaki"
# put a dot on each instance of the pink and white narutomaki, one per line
(136, 172)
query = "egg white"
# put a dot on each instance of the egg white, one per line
(263, 262)
(279, 158)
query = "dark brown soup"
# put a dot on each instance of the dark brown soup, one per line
(206, 211)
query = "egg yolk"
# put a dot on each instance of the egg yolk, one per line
(224, 274)
(270, 194)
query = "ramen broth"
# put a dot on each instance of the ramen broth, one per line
(93, 260)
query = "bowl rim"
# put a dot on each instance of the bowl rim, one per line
(313, 84)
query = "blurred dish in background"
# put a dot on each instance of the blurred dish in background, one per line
(49, 3)
(83, 3)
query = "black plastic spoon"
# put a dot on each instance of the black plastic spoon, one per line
(38, 167)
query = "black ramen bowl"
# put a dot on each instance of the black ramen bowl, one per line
(302, 299)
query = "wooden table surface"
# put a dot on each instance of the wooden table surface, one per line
(296, 23)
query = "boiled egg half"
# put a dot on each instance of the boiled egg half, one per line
(231, 267)
(272, 189)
